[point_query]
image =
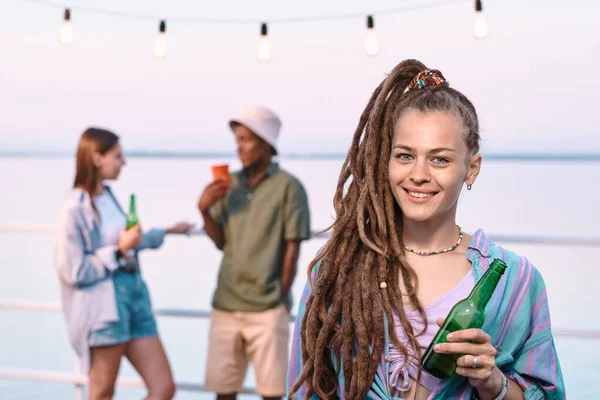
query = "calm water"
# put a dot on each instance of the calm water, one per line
(544, 198)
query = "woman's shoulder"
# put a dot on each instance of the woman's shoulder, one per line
(76, 204)
(519, 267)
(75, 199)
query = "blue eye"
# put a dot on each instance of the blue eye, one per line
(403, 157)
(440, 160)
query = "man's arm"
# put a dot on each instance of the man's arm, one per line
(290, 263)
(213, 229)
(214, 192)
(296, 229)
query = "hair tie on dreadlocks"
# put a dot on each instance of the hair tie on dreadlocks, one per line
(383, 285)
(429, 77)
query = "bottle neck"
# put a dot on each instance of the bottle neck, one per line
(484, 289)
(132, 204)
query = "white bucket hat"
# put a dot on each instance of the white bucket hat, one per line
(262, 121)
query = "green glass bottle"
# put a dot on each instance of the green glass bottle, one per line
(132, 217)
(466, 314)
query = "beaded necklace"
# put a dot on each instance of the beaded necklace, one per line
(431, 253)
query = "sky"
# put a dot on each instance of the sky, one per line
(534, 80)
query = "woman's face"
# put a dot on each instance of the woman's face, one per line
(429, 163)
(110, 163)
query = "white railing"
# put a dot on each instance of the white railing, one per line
(80, 381)
(530, 239)
(203, 314)
(27, 228)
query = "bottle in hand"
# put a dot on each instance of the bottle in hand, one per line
(466, 314)
(132, 217)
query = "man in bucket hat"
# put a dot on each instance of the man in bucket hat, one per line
(258, 221)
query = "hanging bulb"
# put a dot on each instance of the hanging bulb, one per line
(480, 24)
(264, 49)
(65, 36)
(371, 42)
(160, 45)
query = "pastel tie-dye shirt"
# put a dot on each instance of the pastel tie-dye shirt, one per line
(517, 319)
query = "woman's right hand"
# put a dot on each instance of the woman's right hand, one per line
(129, 239)
(212, 193)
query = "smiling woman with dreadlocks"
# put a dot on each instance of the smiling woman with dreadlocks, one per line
(397, 262)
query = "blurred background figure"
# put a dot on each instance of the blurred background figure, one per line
(105, 300)
(258, 218)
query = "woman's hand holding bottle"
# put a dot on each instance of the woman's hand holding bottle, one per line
(129, 239)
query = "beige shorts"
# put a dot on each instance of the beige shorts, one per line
(239, 337)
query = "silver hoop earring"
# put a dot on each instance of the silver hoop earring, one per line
(469, 186)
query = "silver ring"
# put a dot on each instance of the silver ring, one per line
(474, 362)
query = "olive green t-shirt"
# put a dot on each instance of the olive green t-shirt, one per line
(257, 223)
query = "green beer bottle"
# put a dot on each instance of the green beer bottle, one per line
(466, 314)
(132, 217)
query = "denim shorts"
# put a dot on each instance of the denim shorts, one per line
(136, 319)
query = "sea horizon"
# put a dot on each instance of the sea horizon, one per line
(309, 155)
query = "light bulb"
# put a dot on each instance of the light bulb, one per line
(160, 45)
(65, 36)
(371, 41)
(264, 49)
(480, 26)
(480, 29)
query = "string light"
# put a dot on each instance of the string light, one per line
(160, 45)
(65, 36)
(480, 24)
(264, 49)
(371, 41)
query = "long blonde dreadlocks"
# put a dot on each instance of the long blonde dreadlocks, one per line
(345, 312)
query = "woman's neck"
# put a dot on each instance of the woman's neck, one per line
(99, 187)
(430, 235)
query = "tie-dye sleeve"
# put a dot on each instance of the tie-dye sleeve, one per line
(295, 363)
(536, 367)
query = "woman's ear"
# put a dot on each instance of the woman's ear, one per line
(97, 159)
(474, 168)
